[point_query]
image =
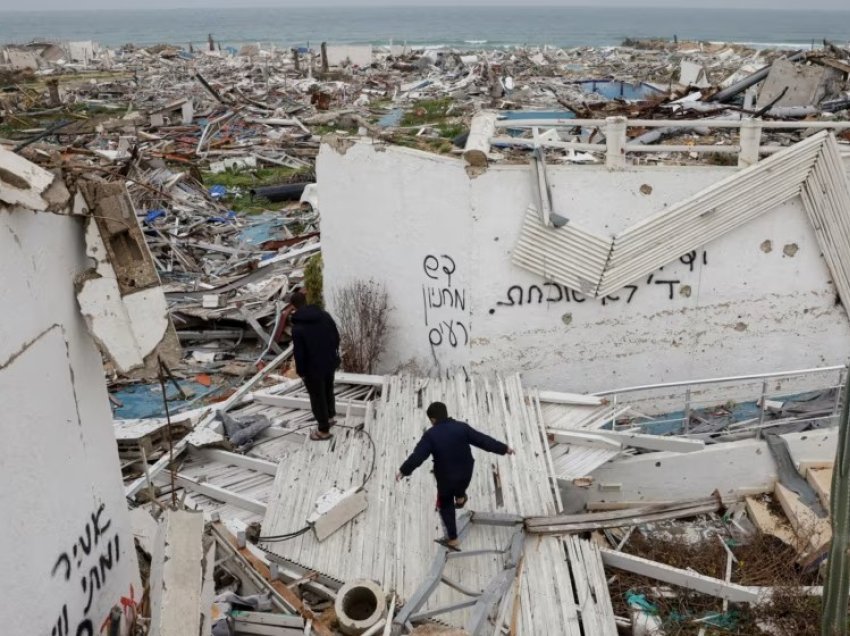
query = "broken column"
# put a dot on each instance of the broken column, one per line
(177, 575)
(359, 606)
(53, 99)
(121, 298)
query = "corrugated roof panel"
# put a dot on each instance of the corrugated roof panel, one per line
(599, 266)
(568, 255)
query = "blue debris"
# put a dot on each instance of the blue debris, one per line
(392, 118)
(227, 218)
(518, 115)
(145, 400)
(153, 215)
(218, 191)
(613, 89)
(269, 227)
(639, 601)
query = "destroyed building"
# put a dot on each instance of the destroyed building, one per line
(630, 264)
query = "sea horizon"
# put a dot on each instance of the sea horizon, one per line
(492, 26)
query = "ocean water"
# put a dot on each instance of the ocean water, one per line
(449, 26)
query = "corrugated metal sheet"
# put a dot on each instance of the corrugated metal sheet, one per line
(813, 167)
(573, 461)
(392, 541)
(568, 255)
(826, 197)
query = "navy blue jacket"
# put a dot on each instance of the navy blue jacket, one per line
(315, 340)
(449, 443)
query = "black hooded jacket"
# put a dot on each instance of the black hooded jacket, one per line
(315, 339)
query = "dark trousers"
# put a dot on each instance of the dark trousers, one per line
(322, 402)
(446, 494)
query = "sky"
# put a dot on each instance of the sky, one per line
(51, 5)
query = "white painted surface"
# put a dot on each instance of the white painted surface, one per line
(82, 51)
(127, 328)
(339, 54)
(61, 477)
(177, 575)
(737, 308)
(733, 469)
(15, 171)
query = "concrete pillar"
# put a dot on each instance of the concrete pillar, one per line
(615, 140)
(325, 66)
(359, 606)
(750, 143)
(53, 93)
(188, 112)
(478, 143)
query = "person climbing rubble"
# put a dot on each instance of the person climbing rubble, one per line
(315, 341)
(448, 441)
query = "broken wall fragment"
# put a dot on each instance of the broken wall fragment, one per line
(121, 297)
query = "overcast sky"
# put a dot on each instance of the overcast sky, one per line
(38, 5)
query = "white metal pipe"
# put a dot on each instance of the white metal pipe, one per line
(673, 123)
(731, 378)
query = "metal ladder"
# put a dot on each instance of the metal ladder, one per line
(482, 603)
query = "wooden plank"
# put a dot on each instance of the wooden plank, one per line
(682, 578)
(357, 409)
(821, 480)
(262, 569)
(269, 618)
(574, 527)
(768, 523)
(220, 494)
(557, 397)
(654, 442)
(590, 440)
(343, 377)
(235, 459)
(814, 533)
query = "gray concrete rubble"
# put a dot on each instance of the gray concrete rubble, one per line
(191, 177)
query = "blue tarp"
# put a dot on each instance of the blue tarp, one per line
(392, 118)
(218, 191)
(613, 89)
(153, 215)
(230, 216)
(145, 400)
(267, 227)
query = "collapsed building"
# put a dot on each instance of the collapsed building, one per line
(644, 294)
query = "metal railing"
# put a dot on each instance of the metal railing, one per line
(669, 406)
(485, 125)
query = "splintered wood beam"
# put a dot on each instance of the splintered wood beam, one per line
(263, 570)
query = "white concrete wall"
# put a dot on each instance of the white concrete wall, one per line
(740, 304)
(66, 546)
(339, 54)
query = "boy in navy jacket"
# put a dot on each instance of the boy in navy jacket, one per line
(448, 442)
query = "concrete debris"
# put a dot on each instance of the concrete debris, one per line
(177, 574)
(193, 172)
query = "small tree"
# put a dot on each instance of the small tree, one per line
(313, 281)
(362, 308)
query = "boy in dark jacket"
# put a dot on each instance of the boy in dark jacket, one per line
(315, 340)
(449, 441)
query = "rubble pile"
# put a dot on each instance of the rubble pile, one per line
(217, 146)
(214, 152)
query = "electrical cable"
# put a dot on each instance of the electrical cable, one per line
(278, 538)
